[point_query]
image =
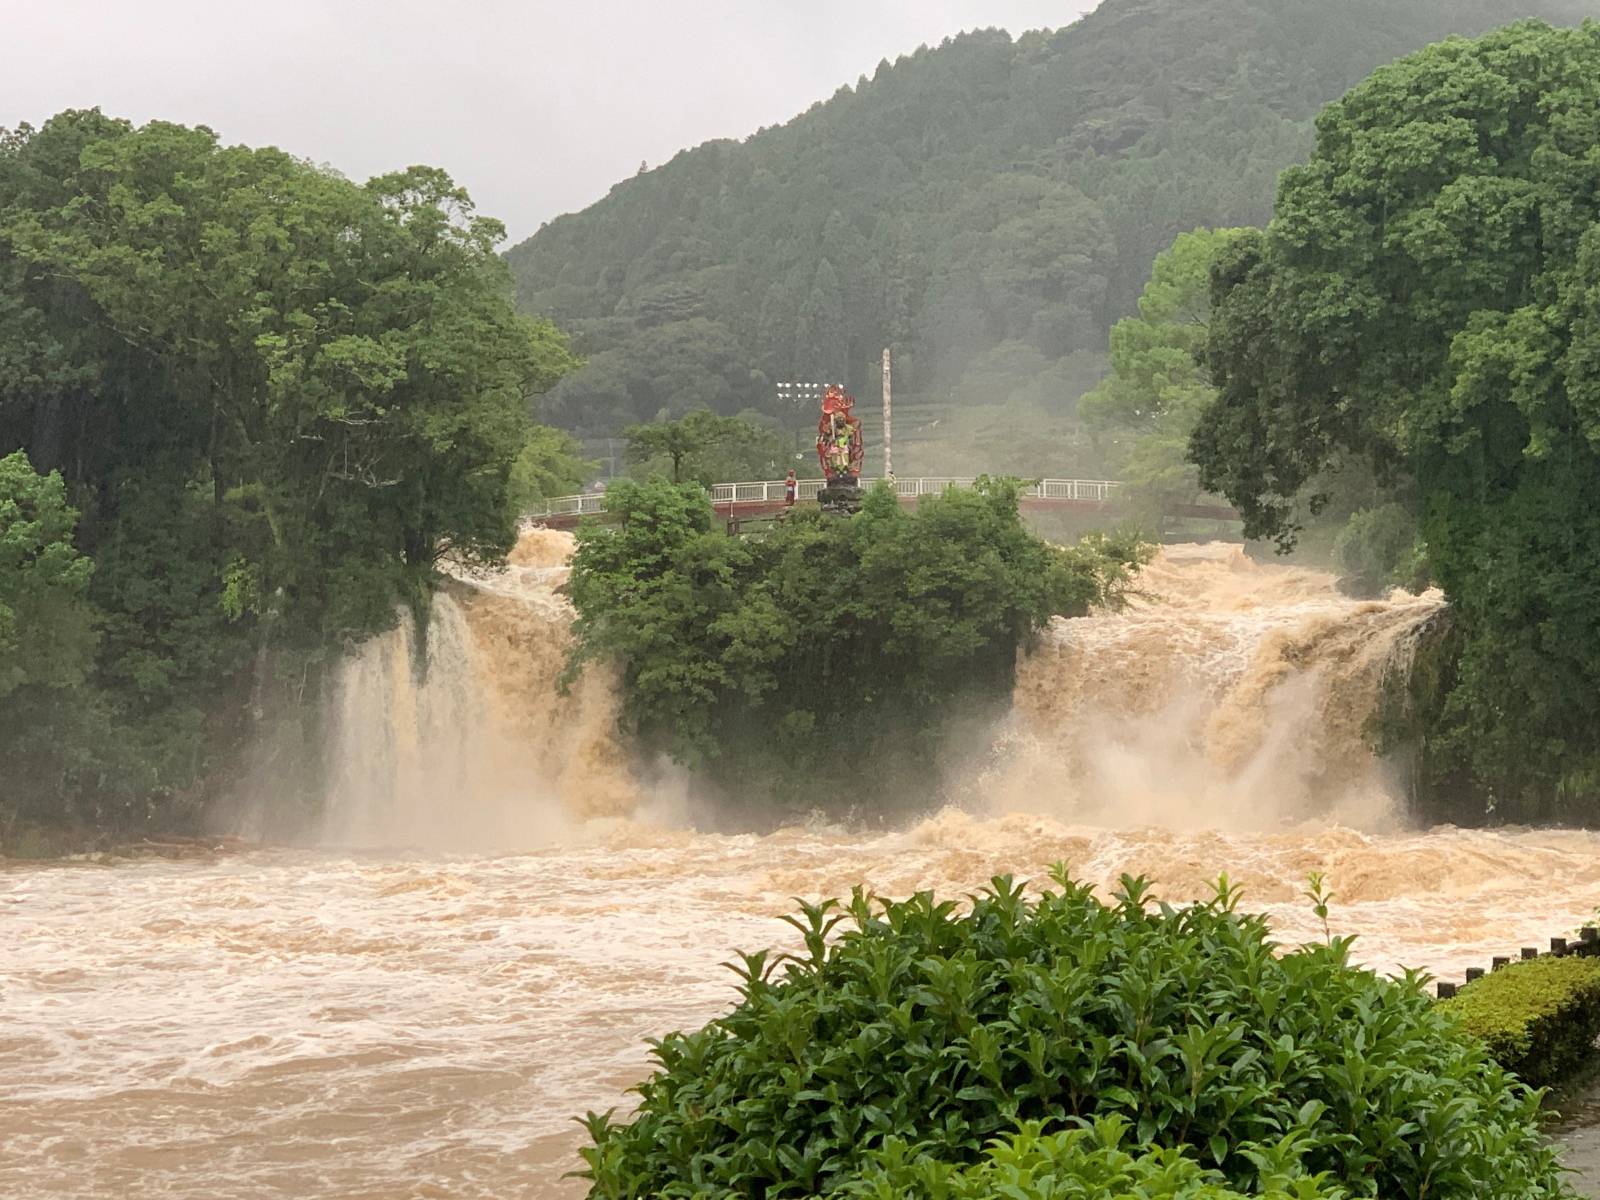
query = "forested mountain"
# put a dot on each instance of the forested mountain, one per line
(989, 208)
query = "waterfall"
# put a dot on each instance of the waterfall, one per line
(471, 743)
(1231, 695)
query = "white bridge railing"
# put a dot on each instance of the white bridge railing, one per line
(771, 491)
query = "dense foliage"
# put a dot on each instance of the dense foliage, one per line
(803, 661)
(908, 1031)
(1145, 411)
(1425, 301)
(47, 627)
(987, 207)
(275, 397)
(550, 464)
(1538, 1019)
(1084, 1164)
(1379, 548)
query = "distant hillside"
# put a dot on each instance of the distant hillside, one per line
(988, 208)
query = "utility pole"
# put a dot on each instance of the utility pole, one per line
(888, 425)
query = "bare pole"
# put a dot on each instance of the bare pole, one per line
(888, 424)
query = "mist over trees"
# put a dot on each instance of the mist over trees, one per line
(1146, 408)
(990, 208)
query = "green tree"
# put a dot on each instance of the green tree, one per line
(1149, 403)
(1424, 300)
(1379, 548)
(1144, 413)
(550, 463)
(650, 588)
(705, 447)
(756, 450)
(798, 662)
(48, 631)
(278, 398)
(47, 634)
(1154, 366)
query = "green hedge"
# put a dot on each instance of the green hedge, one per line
(923, 1031)
(1539, 1019)
(1084, 1164)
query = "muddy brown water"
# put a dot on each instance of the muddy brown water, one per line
(357, 1020)
(310, 1024)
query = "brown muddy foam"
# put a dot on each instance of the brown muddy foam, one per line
(359, 1022)
(1233, 694)
(306, 1024)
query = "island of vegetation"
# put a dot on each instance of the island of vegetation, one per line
(825, 663)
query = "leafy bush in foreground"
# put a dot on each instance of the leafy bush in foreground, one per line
(1538, 1019)
(1082, 1164)
(908, 1022)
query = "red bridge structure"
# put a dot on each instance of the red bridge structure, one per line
(737, 502)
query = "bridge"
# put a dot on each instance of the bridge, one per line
(765, 498)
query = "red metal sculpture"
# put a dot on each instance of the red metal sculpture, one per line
(840, 448)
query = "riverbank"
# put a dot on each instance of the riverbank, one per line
(279, 1023)
(46, 844)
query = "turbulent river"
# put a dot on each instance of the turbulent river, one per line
(499, 909)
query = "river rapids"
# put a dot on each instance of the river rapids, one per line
(500, 908)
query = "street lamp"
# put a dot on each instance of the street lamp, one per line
(800, 392)
(803, 395)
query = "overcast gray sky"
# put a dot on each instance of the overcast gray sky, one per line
(537, 107)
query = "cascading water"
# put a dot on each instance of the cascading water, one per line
(1230, 695)
(315, 1023)
(471, 744)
